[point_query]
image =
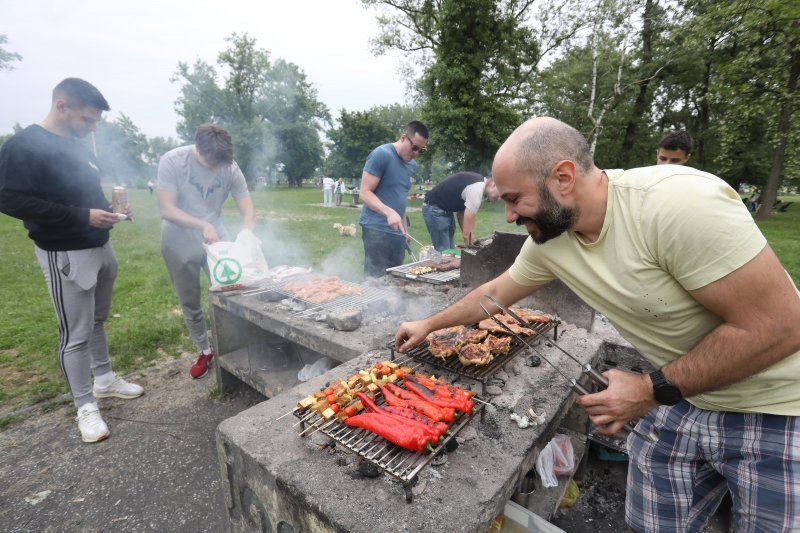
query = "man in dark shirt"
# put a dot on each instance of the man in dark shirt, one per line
(461, 194)
(51, 181)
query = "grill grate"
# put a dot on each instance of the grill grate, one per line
(480, 373)
(402, 464)
(344, 303)
(368, 296)
(437, 278)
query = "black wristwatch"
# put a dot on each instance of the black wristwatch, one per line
(664, 392)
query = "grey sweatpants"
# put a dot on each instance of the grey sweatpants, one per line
(80, 284)
(184, 255)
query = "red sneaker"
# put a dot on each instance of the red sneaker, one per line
(200, 367)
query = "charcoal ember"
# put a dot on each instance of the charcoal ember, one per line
(533, 360)
(451, 445)
(345, 320)
(494, 390)
(502, 375)
(367, 469)
(439, 459)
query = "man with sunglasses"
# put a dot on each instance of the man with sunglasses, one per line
(385, 183)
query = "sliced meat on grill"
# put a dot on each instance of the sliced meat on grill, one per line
(445, 342)
(493, 327)
(530, 316)
(498, 345)
(473, 335)
(475, 354)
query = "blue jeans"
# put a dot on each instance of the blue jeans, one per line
(441, 226)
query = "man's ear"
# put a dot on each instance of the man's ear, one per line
(565, 175)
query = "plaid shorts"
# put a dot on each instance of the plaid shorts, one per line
(677, 483)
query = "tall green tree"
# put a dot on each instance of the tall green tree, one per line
(758, 85)
(357, 133)
(478, 57)
(269, 108)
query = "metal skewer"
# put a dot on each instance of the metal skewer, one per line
(577, 387)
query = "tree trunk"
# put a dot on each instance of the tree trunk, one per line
(770, 192)
(704, 113)
(642, 102)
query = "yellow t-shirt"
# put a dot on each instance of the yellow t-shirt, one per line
(668, 229)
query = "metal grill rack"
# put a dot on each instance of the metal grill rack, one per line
(479, 373)
(402, 464)
(436, 278)
(367, 296)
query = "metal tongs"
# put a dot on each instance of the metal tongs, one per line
(587, 369)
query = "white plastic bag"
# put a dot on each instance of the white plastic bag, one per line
(320, 366)
(556, 459)
(544, 467)
(237, 264)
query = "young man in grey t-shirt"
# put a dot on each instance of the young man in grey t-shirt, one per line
(193, 183)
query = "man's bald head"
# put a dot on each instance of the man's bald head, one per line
(541, 142)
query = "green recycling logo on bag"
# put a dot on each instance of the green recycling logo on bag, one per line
(227, 271)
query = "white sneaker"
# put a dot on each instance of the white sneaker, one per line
(119, 388)
(91, 424)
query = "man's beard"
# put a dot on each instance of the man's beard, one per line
(552, 219)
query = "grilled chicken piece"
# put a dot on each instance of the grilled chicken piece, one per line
(493, 327)
(473, 335)
(498, 345)
(475, 354)
(445, 342)
(530, 316)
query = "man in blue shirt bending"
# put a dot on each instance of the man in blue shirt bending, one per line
(385, 183)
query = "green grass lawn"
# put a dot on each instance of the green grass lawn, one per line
(146, 322)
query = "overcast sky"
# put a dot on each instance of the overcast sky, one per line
(129, 49)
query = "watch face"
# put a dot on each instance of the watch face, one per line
(667, 394)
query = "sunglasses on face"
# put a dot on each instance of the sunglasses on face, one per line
(416, 149)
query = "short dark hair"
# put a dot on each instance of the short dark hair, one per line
(80, 92)
(214, 143)
(415, 126)
(677, 140)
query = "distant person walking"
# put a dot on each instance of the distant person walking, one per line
(150, 186)
(327, 191)
(193, 183)
(338, 190)
(51, 182)
(674, 148)
(461, 194)
(385, 183)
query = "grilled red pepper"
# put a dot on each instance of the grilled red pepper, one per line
(426, 393)
(406, 412)
(436, 429)
(429, 410)
(418, 403)
(408, 437)
(441, 388)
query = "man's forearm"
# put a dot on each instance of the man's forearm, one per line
(468, 309)
(182, 218)
(725, 356)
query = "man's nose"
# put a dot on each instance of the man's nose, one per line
(511, 215)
